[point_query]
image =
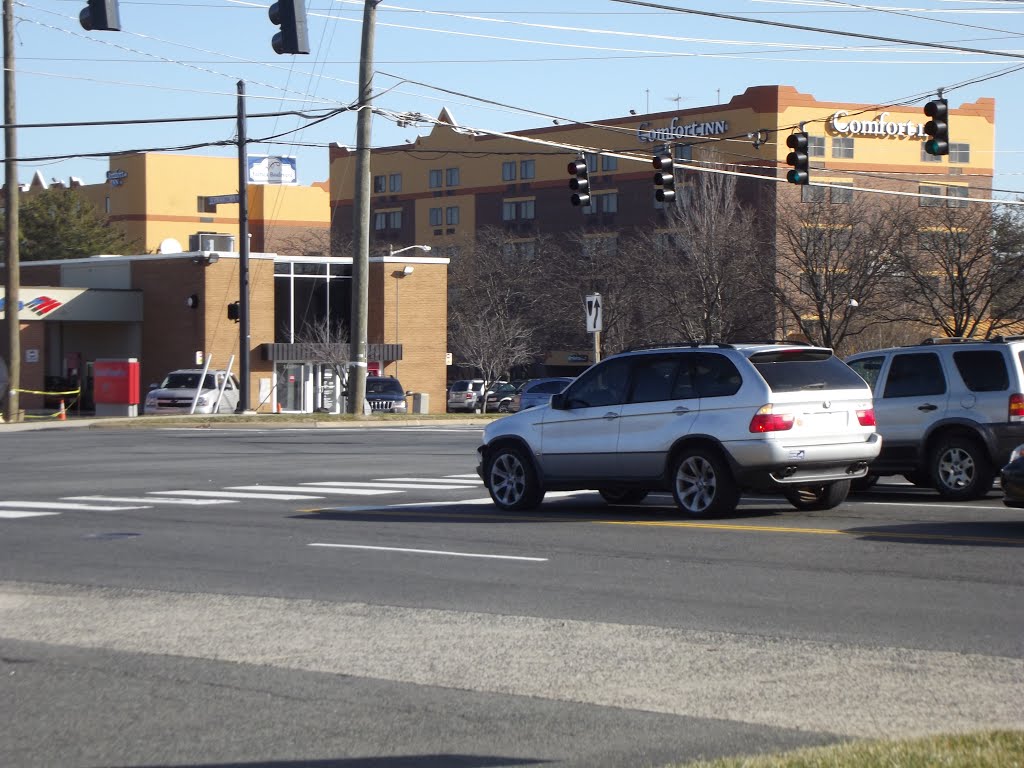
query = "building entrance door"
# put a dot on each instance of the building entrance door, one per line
(291, 386)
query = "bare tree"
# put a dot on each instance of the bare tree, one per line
(701, 266)
(488, 310)
(838, 258)
(956, 280)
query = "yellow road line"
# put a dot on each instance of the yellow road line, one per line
(819, 531)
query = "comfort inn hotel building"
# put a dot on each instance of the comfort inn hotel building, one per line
(439, 190)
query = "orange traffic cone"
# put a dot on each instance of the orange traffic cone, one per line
(62, 414)
(279, 408)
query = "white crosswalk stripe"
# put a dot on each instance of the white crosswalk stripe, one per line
(459, 480)
(151, 500)
(64, 505)
(287, 488)
(392, 486)
(240, 495)
(15, 514)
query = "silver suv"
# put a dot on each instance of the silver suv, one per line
(703, 421)
(950, 411)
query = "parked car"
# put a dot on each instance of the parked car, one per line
(218, 393)
(538, 392)
(1012, 479)
(950, 411)
(386, 395)
(702, 421)
(466, 395)
(499, 397)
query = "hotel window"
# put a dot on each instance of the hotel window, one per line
(591, 162)
(509, 211)
(436, 217)
(956, 197)
(434, 178)
(815, 146)
(609, 163)
(609, 202)
(380, 184)
(840, 195)
(930, 202)
(384, 220)
(809, 194)
(508, 171)
(842, 148)
(926, 158)
(959, 153)
(528, 169)
(452, 177)
(451, 215)
(395, 182)
(684, 152)
(513, 210)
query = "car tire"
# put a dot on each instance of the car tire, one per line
(623, 495)
(504, 407)
(960, 468)
(702, 484)
(512, 481)
(812, 498)
(861, 484)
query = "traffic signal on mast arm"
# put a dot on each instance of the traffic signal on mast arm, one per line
(937, 127)
(664, 179)
(798, 158)
(290, 15)
(580, 182)
(100, 16)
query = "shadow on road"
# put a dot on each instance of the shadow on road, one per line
(396, 761)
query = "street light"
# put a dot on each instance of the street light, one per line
(399, 275)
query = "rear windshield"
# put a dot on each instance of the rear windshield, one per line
(548, 388)
(384, 387)
(187, 381)
(460, 386)
(796, 370)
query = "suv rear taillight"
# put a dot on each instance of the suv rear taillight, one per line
(766, 421)
(1017, 407)
(866, 417)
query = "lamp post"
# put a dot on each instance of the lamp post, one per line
(399, 275)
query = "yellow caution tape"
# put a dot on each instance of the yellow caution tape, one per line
(37, 392)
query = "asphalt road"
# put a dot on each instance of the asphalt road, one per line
(209, 598)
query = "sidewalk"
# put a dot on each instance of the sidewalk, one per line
(244, 421)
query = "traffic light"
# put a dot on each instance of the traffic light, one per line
(664, 179)
(100, 16)
(234, 311)
(798, 158)
(579, 183)
(937, 127)
(290, 15)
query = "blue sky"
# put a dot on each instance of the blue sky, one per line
(570, 59)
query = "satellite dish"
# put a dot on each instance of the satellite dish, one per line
(170, 245)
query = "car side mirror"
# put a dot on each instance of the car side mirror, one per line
(408, 393)
(558, 402)
(153, 386)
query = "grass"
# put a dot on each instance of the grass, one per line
(986, 749)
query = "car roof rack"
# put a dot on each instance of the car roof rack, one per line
(786, 342)
(943, 340)
(668, 344)
(1003, 339)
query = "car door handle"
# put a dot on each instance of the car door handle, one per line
(927, 407)
(681, 410)
(611, 415)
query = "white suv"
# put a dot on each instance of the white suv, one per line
(704, 421)
(950, 411)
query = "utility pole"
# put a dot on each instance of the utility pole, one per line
(244, 341)
(11, 202)
(361, 217)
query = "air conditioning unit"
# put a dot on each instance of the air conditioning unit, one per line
(211, 241)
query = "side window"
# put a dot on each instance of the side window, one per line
(602, 385)
(983, 370)
(652, 379)
(715, 375)
(915, 374)
(868, 369)
(684, 388)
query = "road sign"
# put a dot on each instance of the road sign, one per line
(593, 307)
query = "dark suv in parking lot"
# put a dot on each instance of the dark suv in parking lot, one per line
(950, 411)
